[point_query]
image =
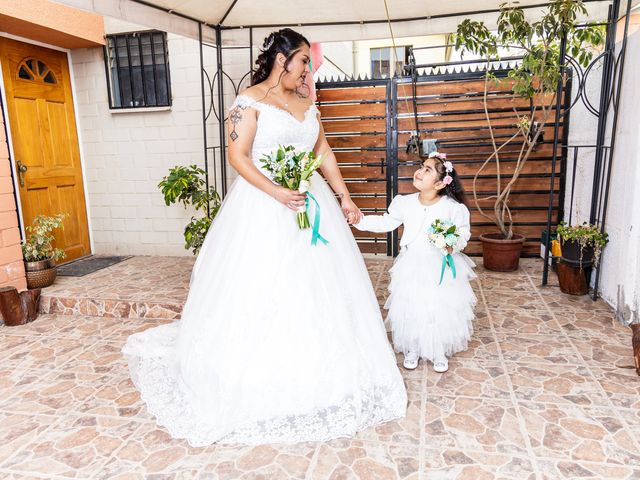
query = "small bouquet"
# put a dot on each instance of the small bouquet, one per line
(292, 169)
(443, 234)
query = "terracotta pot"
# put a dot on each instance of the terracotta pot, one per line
(501, 255)
(40, 274)
(572, 278)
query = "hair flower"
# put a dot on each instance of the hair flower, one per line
(448, 166)
(436, 154)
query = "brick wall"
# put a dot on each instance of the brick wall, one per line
(11, 266)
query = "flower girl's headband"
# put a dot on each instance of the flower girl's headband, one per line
(448, 166)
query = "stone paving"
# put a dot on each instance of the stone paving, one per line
(541, 393)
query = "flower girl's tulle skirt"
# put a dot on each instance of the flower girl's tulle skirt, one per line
(427, 317)
(279, 341)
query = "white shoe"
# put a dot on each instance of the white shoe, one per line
(441, 365)
(411, 360)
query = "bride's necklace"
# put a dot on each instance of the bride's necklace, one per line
(285, 103)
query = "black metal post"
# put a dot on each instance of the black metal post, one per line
(204, 115)
(605, 88)
(616, 107)
(556, 127)
(573, 182)
(564, 145)
(392, 157)
(221, 110)
(251, 51)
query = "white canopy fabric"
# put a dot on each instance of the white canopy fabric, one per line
(338, 20)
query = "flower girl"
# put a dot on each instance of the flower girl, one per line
(431, 303)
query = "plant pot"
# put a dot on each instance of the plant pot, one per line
(501, 255)
(571, 252)
(40, 274)
(572, 278)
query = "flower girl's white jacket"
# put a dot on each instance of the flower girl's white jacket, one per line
(417, 218)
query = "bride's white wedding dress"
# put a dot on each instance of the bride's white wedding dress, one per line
(279, 341)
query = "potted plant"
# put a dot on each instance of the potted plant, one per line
(39, 253)
(536, 77)
(581, 245)
(187, 185)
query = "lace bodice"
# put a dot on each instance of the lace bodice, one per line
(278, 127)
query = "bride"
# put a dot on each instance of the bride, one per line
(280, 340)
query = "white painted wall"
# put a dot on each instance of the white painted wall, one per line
(354, 58)
(338, 60)
(127, 154)
(620, 275)
(620, 268)
(362, 50)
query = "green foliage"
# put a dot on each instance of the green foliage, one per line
(536, 77)
(587, 235)
(38, 245)
(537, 42)
(187, 185)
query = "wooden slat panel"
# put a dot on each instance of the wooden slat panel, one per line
(488, 185)
(474, 248)
(476, 151)
(501, 134)
(367, 187)
(452, 113)
(360, 93)
(517, 200)
(540, 167)
(459, 122)
(362, 158)
(360, 234)
(370, 247)
(371, 202)
(354, 110)
(463, 104)
(351, 126)
(358, 141)
(458, 86)
(529, 231)
(363, 172)
(519, 216)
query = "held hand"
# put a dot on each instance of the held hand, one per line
(351, 212)
(450, 250)
(289, 198)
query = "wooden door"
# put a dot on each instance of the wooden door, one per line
(45, 140)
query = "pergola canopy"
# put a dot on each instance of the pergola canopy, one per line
(320, 21)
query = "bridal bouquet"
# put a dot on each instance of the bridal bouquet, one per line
(292, 169)
(443, 234)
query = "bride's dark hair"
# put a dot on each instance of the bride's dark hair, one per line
(286, 42)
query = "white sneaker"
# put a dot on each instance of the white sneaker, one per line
(411, 360)
(441, 365)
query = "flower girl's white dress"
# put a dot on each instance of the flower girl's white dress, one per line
(280, 341)
(427, 317)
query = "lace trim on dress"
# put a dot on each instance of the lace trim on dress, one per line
(246, 101)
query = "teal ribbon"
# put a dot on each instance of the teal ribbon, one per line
(447, 260)
(315, 234)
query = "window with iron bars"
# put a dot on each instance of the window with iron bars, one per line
(138, 70)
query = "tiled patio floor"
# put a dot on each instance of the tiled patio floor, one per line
(539, 394)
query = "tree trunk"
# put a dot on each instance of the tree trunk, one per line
(18, 308)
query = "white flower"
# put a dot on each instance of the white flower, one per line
(305, 185)
(440, 242)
